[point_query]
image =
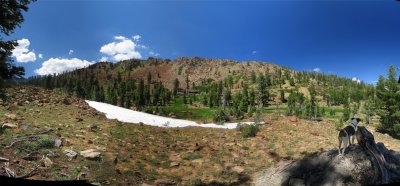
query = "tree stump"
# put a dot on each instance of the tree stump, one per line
(367, 141)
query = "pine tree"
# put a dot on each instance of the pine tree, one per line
(79, 91)
(176, 86)
(11, 17)
(187, 83)
(140, 98)
(244, 103)
(369, 110)
(147, 95)
(346, 112)
(283, 100)
(313, 102)
(291, 104)
(388, 94)
(49, 82)
(262, 91)
(253, 77)
(148, 78)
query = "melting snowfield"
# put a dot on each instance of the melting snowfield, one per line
(130, 116)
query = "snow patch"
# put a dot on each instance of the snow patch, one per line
(130, 116)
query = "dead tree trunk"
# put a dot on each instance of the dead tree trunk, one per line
(367, 142)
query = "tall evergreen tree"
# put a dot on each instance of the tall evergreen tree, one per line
(148, 78)
(11, 17)
(253, 76)
(176, 86)
(262, 90)
(187, 83)
(313, 101)
(388, 94)
(140, 97)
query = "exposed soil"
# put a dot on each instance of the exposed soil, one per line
(134, 154)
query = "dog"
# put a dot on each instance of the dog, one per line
(346, 133)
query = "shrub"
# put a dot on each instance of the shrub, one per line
(220, 117)
(332, 112)
(43, 142)
(339, 125)
(249, 130)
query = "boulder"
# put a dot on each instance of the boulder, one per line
(172, 115)
(198, 161)
(92, 128)
(57, 142)
(10, 116)
(164, 181)
(292, 118)
(91, 154)
(328, 168)
(4, 159)
(47, 162)
(174, 164)
(238, 169)
(70, 153)
(10, 125)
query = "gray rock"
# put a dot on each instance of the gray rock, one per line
(4, 159)
(70, 153)
(238, 169)
(10, 116)
(91, 154)
(92, 128)
(328, 168)
(10, 125)
(174, 164)
(164, 181)
(57, 142)
(47, 162)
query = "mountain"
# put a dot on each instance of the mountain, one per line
(166, 71)
(296, 114)
(240, 89)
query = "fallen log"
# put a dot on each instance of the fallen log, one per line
(367, 141)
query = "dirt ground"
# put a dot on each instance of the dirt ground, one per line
(135, 154)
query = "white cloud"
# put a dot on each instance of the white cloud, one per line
(356, 79)
(40, 56)
(143, 46)
(136, 37)
(71, 52)
(103, 59)
(119, 38)
(59, 65)
(22, 53)
(254, 52)
(122, 49)
(152, 53)
(317, 69)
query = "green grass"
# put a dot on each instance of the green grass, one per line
(272, 109)
(183, 111)
(338, 111)
(43, 142)
(151, 176)
(2, 111)
(193, 156)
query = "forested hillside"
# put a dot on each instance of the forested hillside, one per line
(230, 90)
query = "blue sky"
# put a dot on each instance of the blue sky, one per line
(348, 38)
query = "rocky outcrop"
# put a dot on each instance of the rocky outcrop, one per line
(357, 167)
